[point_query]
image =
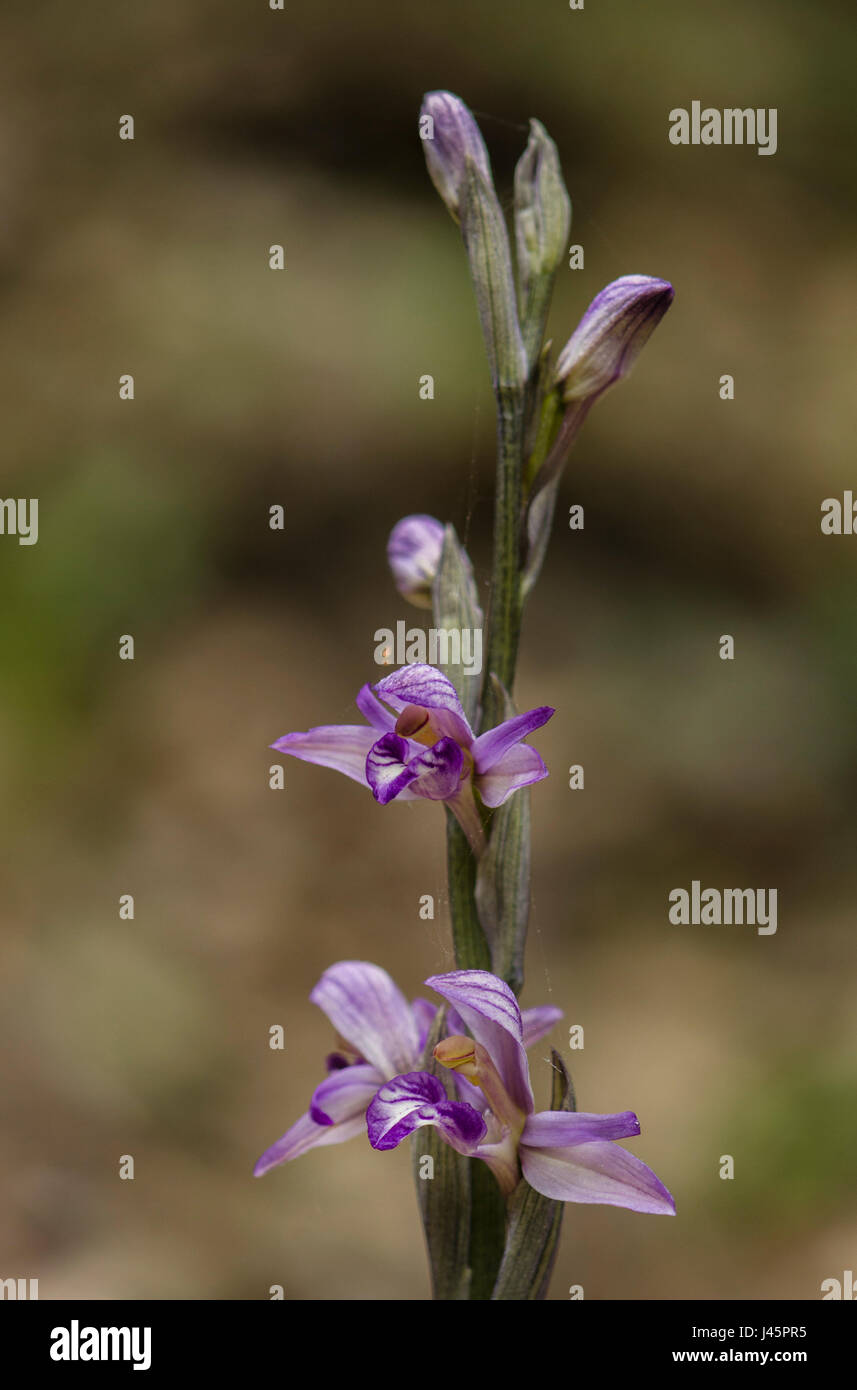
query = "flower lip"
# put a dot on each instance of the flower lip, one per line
(415, 1099)
(433, 772)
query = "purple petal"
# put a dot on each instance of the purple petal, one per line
(599, 1172)
(343, 747)
(424, 1013)
(611, 334)
(371, 1013)
(377, 714)
(437, 770)
(520, 767)
(387, 773)
(415, 1099)
(490, 1011)
(344, 1093)
(305, 1134)
(558, 1129)
(538, 1022)
(455, 1024)
(429, 688)
(489, 748)
(469, 1092)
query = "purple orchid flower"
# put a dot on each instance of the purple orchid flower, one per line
(380, 1035)
(426, 747)
(571, 1157)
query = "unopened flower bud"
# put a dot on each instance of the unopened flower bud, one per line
(413, 551)
(542, 209)
(605, 344)
(451, 137)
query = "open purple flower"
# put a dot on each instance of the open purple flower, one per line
(418, 743)
(571, 1157)
(379, 1035)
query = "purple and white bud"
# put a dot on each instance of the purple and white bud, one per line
(616, 326)
(450, 138)
(413, 552)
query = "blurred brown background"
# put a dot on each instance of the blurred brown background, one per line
(253, 387)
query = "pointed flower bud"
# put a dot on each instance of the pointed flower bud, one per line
(451, 137)
(542, 210)
(605, 344)
(413, 552)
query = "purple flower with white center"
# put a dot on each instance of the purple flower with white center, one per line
(413, 551)
(380, 1035)
(571, 1157)
(613, 331)
(426, 748)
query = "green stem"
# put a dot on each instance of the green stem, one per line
(505, 618)
(478, 1204)
(488, 1209)
(487, 1231)
(468, 938)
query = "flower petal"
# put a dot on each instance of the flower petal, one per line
(344, 1093)
(519, 767)
(387, 773)
(489, 747)
(377, 714)
(419, 684)
(538, 1022)
(408, 1102)
(424, 1013)
(598, 1172)
(437, 770)
(557, 1129)
(371, 1013)
(305, 1134)
(490, 1011)
(343, 747)
(611, 335)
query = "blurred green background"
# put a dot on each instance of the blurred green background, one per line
(150, 1037)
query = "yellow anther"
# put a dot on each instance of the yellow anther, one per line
(459, 1054)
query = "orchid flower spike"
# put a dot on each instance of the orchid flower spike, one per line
(379, 1034)
(571, 1157)
(414, 552)
(418, 743)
